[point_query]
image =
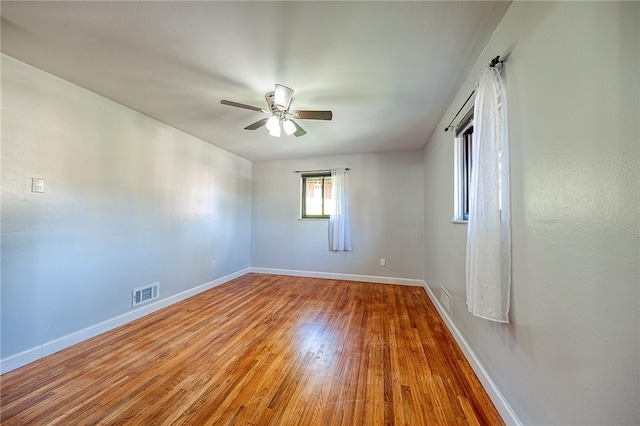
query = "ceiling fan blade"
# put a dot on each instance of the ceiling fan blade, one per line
(239, 105)
(313, 115)
(282, 96)
(257, 124)
(299, 130)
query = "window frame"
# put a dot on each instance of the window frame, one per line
(303, 194)
(462, 166)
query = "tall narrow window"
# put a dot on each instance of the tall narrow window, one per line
(316, 195)
(462, 167)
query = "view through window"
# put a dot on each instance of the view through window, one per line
(462, 169)
(316, 196)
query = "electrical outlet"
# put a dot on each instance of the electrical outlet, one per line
(383, 262)
(213, 264)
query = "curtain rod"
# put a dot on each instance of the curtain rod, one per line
(495, 61)
(315, 171)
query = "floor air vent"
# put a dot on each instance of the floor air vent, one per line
(145, 294)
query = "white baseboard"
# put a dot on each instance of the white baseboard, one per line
(336, 276)
(498, 399)
(34, 354)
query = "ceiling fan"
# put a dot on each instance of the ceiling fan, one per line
(279, 102)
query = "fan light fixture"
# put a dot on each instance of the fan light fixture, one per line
(275, 132)
(289, 127)
(273, 125)
(278, 102)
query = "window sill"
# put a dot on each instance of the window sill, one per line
(312, 219)
(459, 222)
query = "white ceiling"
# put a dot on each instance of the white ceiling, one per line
(387, 70)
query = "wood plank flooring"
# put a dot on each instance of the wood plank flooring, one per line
(261, 350)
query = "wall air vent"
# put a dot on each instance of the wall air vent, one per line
(445, 299)
(145, 294)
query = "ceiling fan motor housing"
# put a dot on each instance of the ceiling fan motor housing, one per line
(270, 98)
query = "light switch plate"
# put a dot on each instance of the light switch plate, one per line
(37, 185)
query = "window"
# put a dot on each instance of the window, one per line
(316, 195)
(462, 167)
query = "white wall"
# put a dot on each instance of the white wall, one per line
(571, 353)
(128, 201)
(386, 213)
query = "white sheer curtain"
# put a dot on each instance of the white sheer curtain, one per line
(489, 228)
(339, 230)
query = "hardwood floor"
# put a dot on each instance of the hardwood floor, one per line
(261, 350)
